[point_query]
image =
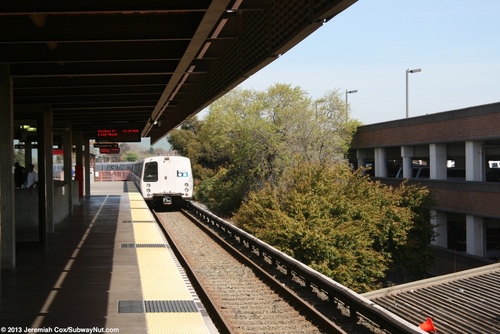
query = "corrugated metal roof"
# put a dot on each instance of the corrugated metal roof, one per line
(462, 302)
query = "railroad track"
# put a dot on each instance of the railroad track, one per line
(243, 297)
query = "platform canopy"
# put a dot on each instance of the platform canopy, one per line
(145, 64)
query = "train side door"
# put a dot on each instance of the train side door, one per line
(168, 176)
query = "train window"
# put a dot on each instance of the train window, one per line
(151, 172)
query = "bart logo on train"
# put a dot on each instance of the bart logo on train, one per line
(181, 173)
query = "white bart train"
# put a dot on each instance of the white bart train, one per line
(164, 180)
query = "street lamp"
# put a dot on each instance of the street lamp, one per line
(416, 70)
(348, 92)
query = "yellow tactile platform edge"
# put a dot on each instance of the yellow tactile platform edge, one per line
(181, 323)
(160, 277)
(141, 215)
(147, 233)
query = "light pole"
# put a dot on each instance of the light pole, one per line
(346, 93)
(416, 70)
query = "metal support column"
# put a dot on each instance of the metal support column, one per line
(7, 197)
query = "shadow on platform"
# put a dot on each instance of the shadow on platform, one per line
(79, 277)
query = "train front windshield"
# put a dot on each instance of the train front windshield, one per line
(151, 172)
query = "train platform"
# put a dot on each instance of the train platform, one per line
(105, 269)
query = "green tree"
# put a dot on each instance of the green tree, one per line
(19, 156)
(337, 221)
(223, 151)
(182, 139)
(252, 137)
(131, 156)
(188, 143)
(330, 129)
(124, 147)
(281, 153)
(415, 257)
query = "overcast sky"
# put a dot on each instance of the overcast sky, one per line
(370, 46)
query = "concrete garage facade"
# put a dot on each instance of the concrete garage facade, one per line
(456, 154)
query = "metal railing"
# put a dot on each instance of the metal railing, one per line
(111, 175)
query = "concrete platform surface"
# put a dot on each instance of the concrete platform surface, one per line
(85, 280)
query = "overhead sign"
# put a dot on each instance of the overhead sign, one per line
(106, 145)
(23, 146)
(113, 150)
(61, 129)
(114, 134)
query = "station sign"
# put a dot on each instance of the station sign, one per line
(118, 134)
(105, 145)
(23, 146)
(112, 150)
(61, 128)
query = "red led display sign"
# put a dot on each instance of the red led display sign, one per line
(118, 134)
(106, 145)
(113, 150)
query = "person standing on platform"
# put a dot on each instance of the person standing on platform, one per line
(19, 177)
(32, 178)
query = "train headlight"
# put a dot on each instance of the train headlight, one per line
(148, 190)
(186, 184)
(186, 190)
(148, 185)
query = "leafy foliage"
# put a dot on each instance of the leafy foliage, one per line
(187, 142)
(250, 138)
(275, 159)
(131, 156)
(337, 221)
(415, 256)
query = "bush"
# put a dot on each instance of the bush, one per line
(336, 221)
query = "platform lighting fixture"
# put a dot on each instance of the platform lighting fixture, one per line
(28, 128)
(347, 92)
(154, 121)
(416, 70)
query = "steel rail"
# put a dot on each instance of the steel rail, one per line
(276, 285)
